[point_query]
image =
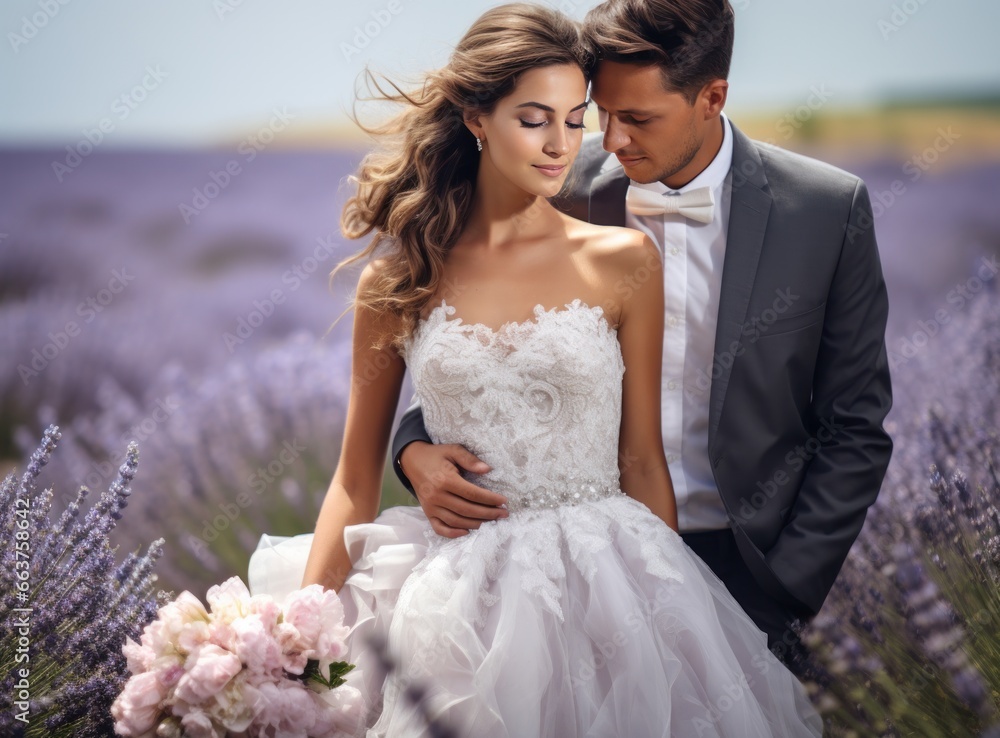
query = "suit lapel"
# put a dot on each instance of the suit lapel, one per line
(748, 215)
(607, 198)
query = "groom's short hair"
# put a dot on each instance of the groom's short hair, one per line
(691, 40)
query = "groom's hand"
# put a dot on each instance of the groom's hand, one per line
(453, 505)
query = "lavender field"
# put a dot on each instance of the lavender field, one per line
(131, 309)
(157, 296)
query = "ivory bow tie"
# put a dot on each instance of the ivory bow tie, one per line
(697, 204)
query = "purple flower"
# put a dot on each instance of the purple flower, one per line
(910, 627)
(77, 606)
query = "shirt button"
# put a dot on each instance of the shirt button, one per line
(672, 458)
(671, 384)
(672, 320)
(674, 251)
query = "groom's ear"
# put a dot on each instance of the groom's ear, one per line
(714, 94)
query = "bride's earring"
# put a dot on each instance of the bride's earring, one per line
(479, 144)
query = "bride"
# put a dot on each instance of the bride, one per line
(535, 341)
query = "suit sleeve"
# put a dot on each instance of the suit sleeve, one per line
(852, 388)
(411, 428)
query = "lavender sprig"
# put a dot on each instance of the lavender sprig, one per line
(77, 605)
(911, 630)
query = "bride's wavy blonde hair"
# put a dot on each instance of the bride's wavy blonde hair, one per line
(416, 189)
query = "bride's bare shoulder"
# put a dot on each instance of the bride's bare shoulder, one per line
(619, 259)
(367, 281)
(615, 248)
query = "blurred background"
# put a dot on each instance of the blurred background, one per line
(171, 180)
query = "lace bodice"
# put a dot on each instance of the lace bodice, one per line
(538, 400)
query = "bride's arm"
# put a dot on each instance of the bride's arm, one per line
(354, 493)
(641, 460)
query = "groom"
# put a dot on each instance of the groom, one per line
(775, 376)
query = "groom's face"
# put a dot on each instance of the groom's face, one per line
(654, 133)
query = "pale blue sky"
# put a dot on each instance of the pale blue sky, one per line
(224, 72)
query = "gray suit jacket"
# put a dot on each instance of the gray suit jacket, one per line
(798, 394)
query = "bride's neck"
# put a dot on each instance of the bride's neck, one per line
(502, 214)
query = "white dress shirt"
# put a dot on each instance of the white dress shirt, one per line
(693, 255)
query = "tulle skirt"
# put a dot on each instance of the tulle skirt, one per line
(593, 619)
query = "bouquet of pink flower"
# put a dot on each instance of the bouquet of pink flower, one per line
(248, 667)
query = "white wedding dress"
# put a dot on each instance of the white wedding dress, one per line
(582, 614)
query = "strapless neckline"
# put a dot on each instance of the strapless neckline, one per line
(515, 325)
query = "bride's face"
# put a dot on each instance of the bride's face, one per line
(533, 135)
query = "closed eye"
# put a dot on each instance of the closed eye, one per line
(528, 124)
(631, 120)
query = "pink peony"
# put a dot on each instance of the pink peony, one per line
(163, 634)
(192, 635)
(221, 633)
(318, 615)
(294, 648)
(137, 709)
(340, 709)
(267, 609)
(140, 658)
(197, 724)
(213, 673)
(208, 668)
(291, 708)
(238, 705)
(171, 672)
(256, 646)
(229, 600)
